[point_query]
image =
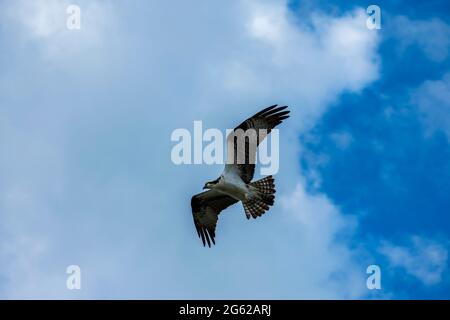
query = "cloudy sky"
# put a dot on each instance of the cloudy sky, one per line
(86, 176)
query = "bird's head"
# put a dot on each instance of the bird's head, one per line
(211, 184)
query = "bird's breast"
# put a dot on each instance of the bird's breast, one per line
(233, 189)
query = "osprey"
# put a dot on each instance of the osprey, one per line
(235, 183)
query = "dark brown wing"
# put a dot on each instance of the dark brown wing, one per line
(206, 207)
(267, 119)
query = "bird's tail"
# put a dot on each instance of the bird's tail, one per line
(262, 197)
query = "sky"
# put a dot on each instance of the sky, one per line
(86, 176)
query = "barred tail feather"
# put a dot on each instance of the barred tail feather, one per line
(263, 196)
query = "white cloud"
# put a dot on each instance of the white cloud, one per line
(433, 101)
(306, 65)
(325, 241)
(422, 258)
(432, 36)
(42, 25)
(342, 139)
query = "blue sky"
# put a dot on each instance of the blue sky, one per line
(85, 170)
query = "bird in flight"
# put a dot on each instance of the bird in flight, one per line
(235, 183)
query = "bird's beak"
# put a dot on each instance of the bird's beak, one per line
(205, 187)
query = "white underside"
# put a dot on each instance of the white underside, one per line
(230, 183)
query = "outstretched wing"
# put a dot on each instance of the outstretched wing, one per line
(206, 207)
(262, 123)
